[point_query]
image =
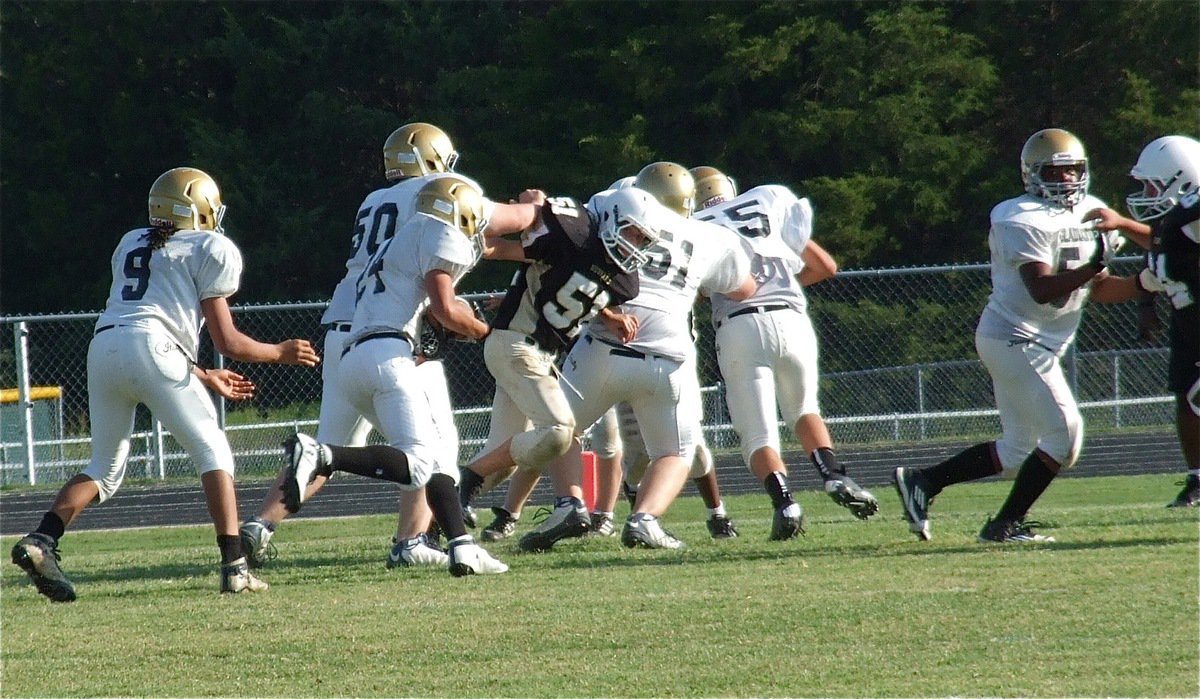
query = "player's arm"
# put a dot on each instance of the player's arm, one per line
(505, 249)
(1046, 286)
(510, 218)
(455, 315)
(1109, 220)
(236, 345)
(1109, 289)
(819, 265)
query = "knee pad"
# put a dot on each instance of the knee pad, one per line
(536, 448)
(108, 483)
(702, 462)
(1065, 444)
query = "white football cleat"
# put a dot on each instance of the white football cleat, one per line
(469, 558)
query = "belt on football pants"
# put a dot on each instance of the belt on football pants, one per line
(755, 309)
(103, 328)
(619, 350)
(394, 334)
(339, 327)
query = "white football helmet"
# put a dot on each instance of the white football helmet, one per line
(1168, 168)
(623, 183)
(671, 184)
(186, 198)
(712, 186)
(417, 149)
(1058, 149)
(629, 228)
(458, 202)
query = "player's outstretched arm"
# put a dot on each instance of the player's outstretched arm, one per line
(819, 265)
(236, 345)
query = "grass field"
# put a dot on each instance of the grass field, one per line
(852, 609)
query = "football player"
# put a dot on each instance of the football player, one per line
(1166, 209)
(1047, 261)
(168, 280)
(413, 155)
(655, 372)
(416, 269)
(615, 465)
(766, 346)
(575, 269)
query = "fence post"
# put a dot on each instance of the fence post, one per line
(921, 398)
(159, 457)
(219, 363)
(1117, 388)
(21, 338)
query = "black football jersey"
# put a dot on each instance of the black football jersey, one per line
(1172, 253)
(568, 278)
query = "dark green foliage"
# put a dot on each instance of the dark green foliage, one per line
(901, 121)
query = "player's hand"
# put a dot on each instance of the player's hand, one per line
(623, 325)
(532, 196)
(228, 384)
(491, 303)
(1105, 247)
(1105, 219)
(299, 352)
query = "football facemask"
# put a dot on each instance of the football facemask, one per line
(625, 228)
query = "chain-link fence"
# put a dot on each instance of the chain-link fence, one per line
(897, 357)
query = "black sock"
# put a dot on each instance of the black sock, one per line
(375, 461)
(52, 526)
(469, 484)
(442, 497)
(827, 463)
(776, 485)
(231, 547)
(1032, 480)
(970, 464)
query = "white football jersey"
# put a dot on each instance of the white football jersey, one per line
(1027, 229)
(164, 287)
(692, 256)
(774, 226)
(391, 289)
(381, 214)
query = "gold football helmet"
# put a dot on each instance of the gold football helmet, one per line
(712, 186)
(186, 198)
(458, 202)
(417, 149)
(671, 184)
(1060, 150)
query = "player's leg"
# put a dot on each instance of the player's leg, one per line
(589, 372)
(1183, 380)
(180, 402)
(527, 374)
(111, 408)
(493, 464)
(411, 546)
(665, 397)
(504, 521)
(1031, 388)
(606, 444)
(338, 422)
(634, 459)
(751, 398)
(719, 525)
